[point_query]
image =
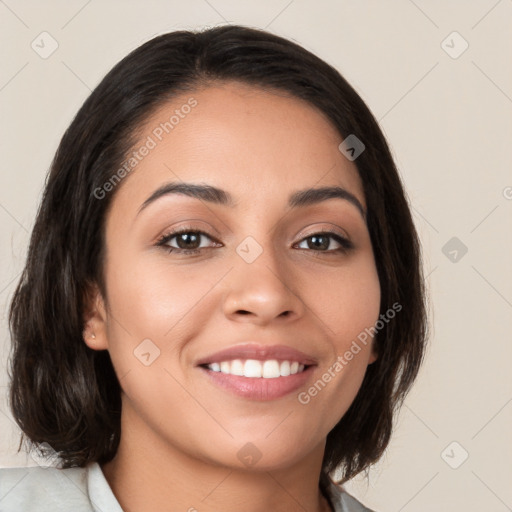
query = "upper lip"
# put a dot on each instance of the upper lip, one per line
(258, 352)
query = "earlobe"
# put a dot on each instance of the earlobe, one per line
(95, 320)
(373, 354)
(91, 339)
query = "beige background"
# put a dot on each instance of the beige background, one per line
(449, 123)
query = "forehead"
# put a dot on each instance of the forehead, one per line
(256, 143)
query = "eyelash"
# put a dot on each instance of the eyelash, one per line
(346, 245)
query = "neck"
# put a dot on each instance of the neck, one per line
(150, 474)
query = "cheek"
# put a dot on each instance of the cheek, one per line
(349, 308)
(347, 301)
(156, 301)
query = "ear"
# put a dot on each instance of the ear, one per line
(95, 319)
(373, 354)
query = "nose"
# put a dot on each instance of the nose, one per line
(263, 290)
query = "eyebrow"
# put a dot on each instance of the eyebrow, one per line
(214, 195)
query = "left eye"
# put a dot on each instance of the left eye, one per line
(322, 241)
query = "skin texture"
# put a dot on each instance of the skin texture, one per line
(181, 433)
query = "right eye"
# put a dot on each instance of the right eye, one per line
(188, 239)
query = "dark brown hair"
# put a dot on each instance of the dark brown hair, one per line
(67, 395)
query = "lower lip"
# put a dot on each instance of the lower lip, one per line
(260, 389)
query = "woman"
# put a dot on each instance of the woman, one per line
(223, 302)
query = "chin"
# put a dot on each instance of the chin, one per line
(263, 454)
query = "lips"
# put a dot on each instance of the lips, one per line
(258, 389)
(267, 386)
(259, 353)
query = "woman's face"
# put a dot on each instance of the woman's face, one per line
(260, 275)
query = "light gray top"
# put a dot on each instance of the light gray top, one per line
(49, 489)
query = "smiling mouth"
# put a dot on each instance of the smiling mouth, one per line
(255, 369)
(257, 380)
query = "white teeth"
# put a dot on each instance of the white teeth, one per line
(237, 367)
(215, 367)
(285, 369)
(252, 368)
(271, 369)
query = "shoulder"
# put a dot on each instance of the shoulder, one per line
(44, 489)
(352, 505)
(342, 501)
